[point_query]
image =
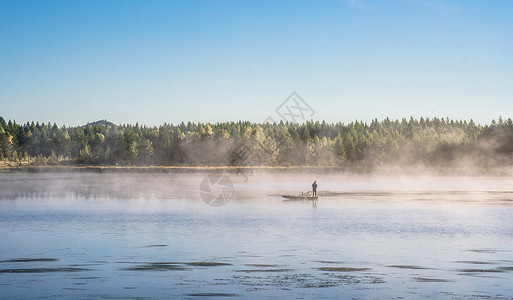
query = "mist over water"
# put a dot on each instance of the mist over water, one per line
(121, 235)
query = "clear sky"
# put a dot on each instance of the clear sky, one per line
(152, 61)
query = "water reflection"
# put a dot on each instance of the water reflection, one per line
(97, 185)
(389, 240)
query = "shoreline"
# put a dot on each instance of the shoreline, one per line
(80, 168)
(506, 171)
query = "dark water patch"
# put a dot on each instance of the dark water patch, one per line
(506, 269)
(409, 267)
(85, 265)
(157, 266)
(489, 251)
(23, 260)
(44, 270)
(329, 262)
(129, 287)
(301, 280)
(73, 289)
(263, 270)
(207, 264)
(155, 246)
(212, 295)
(470, 262)
(80, 283)
(481, 271)
(503, 261)
(478, 275)
(261, 265)
(428, 279)
(342, 269)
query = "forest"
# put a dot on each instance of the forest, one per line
(437, 142)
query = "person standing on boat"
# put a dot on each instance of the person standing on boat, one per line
(314, 189)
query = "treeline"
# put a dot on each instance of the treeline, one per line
(427, 141)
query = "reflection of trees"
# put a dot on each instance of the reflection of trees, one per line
(95, 186)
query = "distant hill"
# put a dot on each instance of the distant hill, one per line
(101, 123)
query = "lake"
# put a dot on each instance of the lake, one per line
(152, 235)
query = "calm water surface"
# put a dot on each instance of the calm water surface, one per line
(97, 235)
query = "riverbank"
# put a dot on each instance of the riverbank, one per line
(235, 169)
(410, 170)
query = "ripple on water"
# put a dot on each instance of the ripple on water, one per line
(409, 267)
(263, 270)
(170, 266)
(430, 279)
(261, 265)
(329, 262)
(207, 264)
(342, 269)
(481, 270)
(23, 260)
(304, 280)
(471, 262)
(44, 270)
(157, 266)
(212, 295)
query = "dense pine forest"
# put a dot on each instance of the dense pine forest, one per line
(433, 142)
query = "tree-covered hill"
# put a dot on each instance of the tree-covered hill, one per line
(101, 123)
(436, 142)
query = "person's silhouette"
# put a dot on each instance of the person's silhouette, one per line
(314, 189)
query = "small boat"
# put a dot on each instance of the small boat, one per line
(302, 197)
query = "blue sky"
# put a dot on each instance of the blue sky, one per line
(152, 62)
